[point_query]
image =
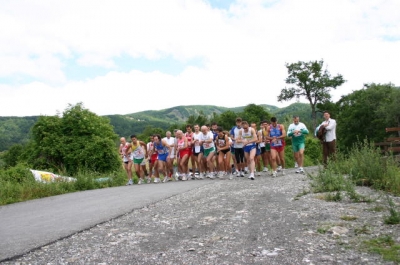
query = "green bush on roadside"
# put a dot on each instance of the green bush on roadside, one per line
(17, 184)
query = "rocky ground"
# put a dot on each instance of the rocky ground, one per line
(265, 221)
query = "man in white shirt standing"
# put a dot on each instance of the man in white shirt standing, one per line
(329, 142)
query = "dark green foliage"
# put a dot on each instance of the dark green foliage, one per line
(78, 140)
(366, 113)
(15, 130)
(18, 174)
(11, 157)
(255, 113)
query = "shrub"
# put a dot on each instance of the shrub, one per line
(17, 174)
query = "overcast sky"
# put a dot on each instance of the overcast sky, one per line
(120, 57)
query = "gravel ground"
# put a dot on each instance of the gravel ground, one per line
(239, 221)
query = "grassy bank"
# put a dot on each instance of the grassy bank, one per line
(17, 184)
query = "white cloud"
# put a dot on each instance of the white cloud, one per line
(244, 50)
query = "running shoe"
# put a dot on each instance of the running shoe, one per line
(184, 178)
(157, 180)
(283, 172)
(210, 176)
(279, 169)
(258, 173)
(140, 181)
(201, 176)
(166, 179)
(296, 165)
(148, 180)
(274, 174)
(265, 169)
(251, 176)
(130, 182)
(241, 174)
(300, 171)
(230, 176)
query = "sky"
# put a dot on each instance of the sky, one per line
(122, 57)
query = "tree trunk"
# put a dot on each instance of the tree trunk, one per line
(314, 117)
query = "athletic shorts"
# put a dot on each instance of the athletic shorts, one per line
(258, 152)
(267, 147)
(182, 153)
(162, 157)
(138, 160)
(278, 148)
(262, 150)
(125, 159)
(201, 151)
(208, 151)
(224, 151)
(232, 150)
(153, 158)
(143, 162)
(248, 148)
(298, 147)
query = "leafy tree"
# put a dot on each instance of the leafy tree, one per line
(79, 140)
(363, 114)
(308, 79)
(226, 119)
(390, 108)
(255, 113)
(12, 156)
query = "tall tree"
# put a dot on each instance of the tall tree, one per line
(310, 80)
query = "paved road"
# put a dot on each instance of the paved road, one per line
(33, 224)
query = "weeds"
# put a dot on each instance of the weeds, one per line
(362, 230)
(348, 218)
(301, 194)
(394, 217)
(17, 184)
(384, 246)
(377, 209)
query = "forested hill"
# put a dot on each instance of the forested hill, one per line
(15, 130)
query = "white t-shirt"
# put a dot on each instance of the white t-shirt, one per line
(208, 136)
(171, 141)
(236, 136)
(197, 146)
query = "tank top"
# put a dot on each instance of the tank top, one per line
(221, 141)
(137, 151)
(275, 132)
(247, 136)
(160, 148)
(189, 137)
(125, 148)
(181, 144)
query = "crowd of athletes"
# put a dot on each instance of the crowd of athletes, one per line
(212, 152)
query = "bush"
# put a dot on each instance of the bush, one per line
(17, 184)
(367, 166)
(17, 174)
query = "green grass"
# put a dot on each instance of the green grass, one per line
(18, 184)
(385, 247)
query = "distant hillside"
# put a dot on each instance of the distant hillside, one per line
(135, 123)
(15, 130)
(303, 110)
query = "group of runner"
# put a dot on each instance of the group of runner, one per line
(210, 150)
